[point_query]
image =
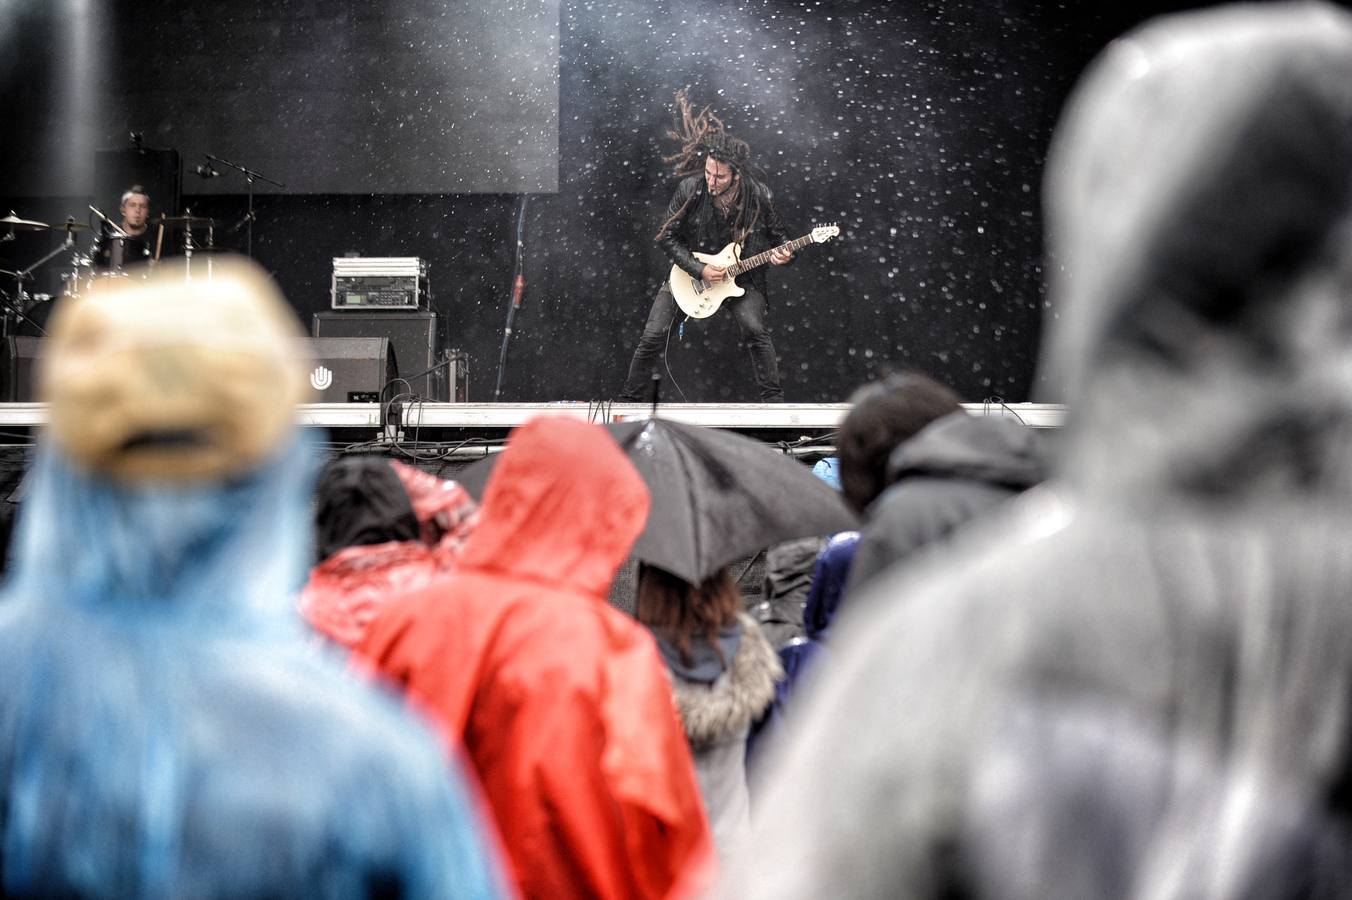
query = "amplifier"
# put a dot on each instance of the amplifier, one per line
(416, 337)
(17, 356)
(351, 370)
(379, 282)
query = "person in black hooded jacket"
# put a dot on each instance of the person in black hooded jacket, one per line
(951, 472)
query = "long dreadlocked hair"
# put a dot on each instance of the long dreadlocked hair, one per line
(702, 135)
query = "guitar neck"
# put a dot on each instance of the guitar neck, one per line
(760, 259)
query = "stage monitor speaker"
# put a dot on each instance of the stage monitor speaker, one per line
(17, 368)
(157, 171)
(343, 370)
(352, 370)
(419, 340)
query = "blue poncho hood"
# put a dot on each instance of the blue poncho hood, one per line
(166, 728)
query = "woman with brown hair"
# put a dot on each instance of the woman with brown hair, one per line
(723, 675)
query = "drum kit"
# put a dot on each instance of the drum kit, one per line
(115, 254)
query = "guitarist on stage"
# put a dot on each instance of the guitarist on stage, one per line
(717, 202)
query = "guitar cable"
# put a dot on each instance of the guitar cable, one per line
(666, 363)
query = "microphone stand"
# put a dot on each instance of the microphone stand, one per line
(518, 288)
(249, 176)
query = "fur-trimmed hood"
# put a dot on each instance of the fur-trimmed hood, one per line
(715, 712)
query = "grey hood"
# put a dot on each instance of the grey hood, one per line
(1198, 195)
(724, 709)
(1138, 684)
(989, 449)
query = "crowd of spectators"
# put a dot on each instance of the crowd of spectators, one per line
(1119, 669)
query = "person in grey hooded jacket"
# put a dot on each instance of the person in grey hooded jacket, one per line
(1143, 688)
(952, 471)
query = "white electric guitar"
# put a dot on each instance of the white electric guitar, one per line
(700, 299)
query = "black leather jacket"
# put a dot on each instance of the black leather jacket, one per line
(701, 228)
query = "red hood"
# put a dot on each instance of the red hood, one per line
(563, 507)
(442, 507)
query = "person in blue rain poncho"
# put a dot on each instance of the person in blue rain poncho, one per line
(166, 727)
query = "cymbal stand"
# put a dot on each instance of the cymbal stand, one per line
(13, 307)
(211, 247)
(187, 247)
(249, 176)
(16, 304)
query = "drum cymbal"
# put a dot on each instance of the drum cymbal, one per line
(186, 220)
(69, 225)
(14, 223)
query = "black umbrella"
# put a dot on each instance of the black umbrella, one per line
(716, 496)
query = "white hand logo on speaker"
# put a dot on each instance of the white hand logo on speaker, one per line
(321, 378)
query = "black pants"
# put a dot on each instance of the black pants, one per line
(748, 310)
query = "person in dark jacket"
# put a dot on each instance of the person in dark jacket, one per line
(911, 497)
(882, 415)
(784, 589)
(823, 600)
(130, 241)
(1139, 684)
(719, 201)
(789, 569)
(953, 471)
(803, 653)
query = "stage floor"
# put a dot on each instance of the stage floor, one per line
(441, 438)
(485, 424)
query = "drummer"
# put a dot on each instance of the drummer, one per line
(111, 250)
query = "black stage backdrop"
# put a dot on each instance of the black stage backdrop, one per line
(919, 127)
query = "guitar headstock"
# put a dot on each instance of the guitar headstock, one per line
(824, 233)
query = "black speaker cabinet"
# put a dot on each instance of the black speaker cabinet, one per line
(17, 368)
(419, 342)
(352, 370)
(342, 370)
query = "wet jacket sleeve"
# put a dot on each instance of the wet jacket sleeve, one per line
(670, 240)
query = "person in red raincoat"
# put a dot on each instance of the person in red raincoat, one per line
(385, 528)
(561, 701)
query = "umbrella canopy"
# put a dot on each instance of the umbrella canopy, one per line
(716, 496)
